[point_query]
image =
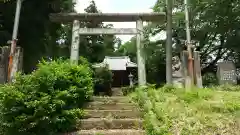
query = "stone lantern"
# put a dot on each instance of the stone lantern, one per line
(130, 76)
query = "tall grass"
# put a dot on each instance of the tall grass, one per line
(171, 111)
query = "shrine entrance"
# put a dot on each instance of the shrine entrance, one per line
(139, 18)
(121, 77)
(122, 68)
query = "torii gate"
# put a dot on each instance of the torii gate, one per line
(76, 18)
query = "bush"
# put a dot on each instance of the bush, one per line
(47, 101)
(103, 79)
(130, 89)
(83, 61)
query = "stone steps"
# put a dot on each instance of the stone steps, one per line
(102, 123)
(117, 92)
(115, 99)
(110, 106)
(117, 114)
(111, 132)
(111, 116)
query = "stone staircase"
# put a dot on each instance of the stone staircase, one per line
(111, 116)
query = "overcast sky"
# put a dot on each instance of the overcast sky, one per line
(119, 6)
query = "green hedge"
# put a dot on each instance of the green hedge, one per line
(47, 101)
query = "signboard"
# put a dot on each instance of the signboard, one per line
(226, 73)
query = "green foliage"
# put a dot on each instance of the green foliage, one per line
(210, 79)
(128, 90)
(154, 54)
(47, 101)
(227, 87)
(103, 80)
(131, 89)
(103, 75)
(96, 47)
(213, 32)
(215, 36)
(168, 110)
(83, 61)
(38, 38)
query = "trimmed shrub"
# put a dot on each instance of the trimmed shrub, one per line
(47, 101)
(103, 79)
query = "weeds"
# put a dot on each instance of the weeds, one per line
(198, 112)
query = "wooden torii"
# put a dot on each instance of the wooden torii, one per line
(139, 18)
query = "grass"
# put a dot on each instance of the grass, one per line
(170, 111)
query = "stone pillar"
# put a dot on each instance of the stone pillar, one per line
(20, 63)
(16, 67)
(140, 54)
(197, 69)
(74, 56)
(4, 55)
(187, 78)
(177, 72)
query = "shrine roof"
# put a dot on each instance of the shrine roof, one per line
(116, 63)
(107, 17)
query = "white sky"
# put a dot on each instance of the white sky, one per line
(119, 6)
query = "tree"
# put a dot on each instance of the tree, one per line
(39, 37)
(96, 47)
(155, 57)
(37, 34)
(214, 28)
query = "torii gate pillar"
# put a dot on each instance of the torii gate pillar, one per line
(74, 56)
(140, 54)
